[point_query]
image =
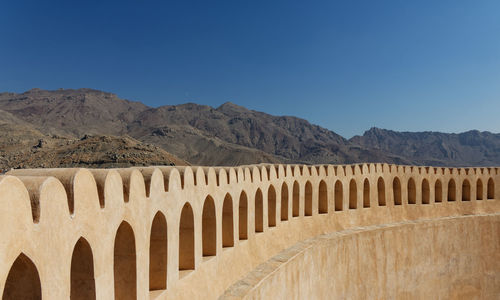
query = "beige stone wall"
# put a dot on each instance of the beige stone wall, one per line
(445, 258)
(118, 221)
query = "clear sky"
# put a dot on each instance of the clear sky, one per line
(345, 65)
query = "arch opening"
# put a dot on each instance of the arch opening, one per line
(82, 271)
(158, 253)
(284, 202)
(308, 199)
(425, 192)
(381, 192)
(339, 196)
(186, 238)
(23, 281)
(366, 193)
(227, 222)
(353, 197)
(479, 190)
(259, 212)
(491, 189)
(243, 216)
(396, 191)
(125, 265)
(451, 190)
(438, 191)
(466, 190)
(323, 198)
(209, 228)
(412, 192)
(271, 206)
(295, 199)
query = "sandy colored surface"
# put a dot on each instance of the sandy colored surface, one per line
(94, 233)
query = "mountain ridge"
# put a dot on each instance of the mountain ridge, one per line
(231, 134)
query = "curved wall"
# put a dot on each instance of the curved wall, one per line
(191, 232)
(445, 258)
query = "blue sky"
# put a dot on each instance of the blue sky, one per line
(344, 65)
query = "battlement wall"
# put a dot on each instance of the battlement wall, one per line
(192, 232)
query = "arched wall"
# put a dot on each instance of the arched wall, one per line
(36, 208)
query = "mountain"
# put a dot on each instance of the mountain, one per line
(435, 148)
(226, 135)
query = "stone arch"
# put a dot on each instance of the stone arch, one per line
(227, 222)
(295, 199)
(412, 191)
(23, 281)
(438, 191)
(381, 191)
(259, 212)
(479, 189)
(271, 206)
(491, 189)
(308, 199)
(322, 198)
(158, 253)
(209, 228)
(339, 196)
(451, 190)
(396, 191)
(366, 193)
(186, 238)
(353, 194)
(425, 192)
(284, 202)
(465, 190)
(82, 271)
(243, 216)
(125, 265)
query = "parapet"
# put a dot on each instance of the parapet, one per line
(192, 232)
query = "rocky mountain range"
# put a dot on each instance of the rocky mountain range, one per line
(86, 127)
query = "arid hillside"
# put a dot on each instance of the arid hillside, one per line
(198, 134)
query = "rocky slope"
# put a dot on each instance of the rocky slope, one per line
(436, 148)
(229, 134)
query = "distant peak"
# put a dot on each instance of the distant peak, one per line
(230, 106)
(376, 130)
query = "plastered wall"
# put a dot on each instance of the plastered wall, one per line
(192, 232)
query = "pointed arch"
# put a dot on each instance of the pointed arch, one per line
(491, 189)
(186, 238)
(295, 199)
(323, 198)
(412, 192)
(259, 212)
(366, 193)
(125, 264)
(451, 190)
(465, 190)
(479, 189)
(158, 253)
(425, 192)
(209, 228)
(82, 271)
(438, 192)
(227, 222)
(23, 281)
(271, 206)
(243, 216)
(339, 196)
(284, 202)
(381, 191)
(396, 191)
(353, 194)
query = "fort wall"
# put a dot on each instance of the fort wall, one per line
(193, 232)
